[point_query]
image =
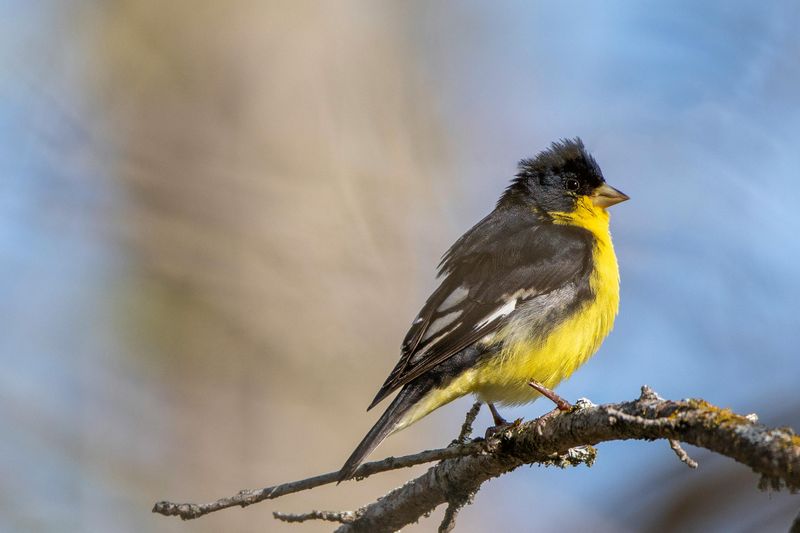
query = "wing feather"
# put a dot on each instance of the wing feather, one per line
(507, 258)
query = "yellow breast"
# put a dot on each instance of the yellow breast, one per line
(504, 378)
(551, 359)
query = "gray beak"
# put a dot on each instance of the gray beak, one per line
(606, 196)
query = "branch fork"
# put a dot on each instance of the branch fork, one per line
(566, 439)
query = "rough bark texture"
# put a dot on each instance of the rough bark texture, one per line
(796, 525)
(562, 439)
(243, 498)
(773, 453)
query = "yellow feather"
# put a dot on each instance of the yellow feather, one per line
(504, 378)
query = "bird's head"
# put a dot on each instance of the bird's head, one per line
(561, 181)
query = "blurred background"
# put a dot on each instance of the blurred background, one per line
(217, 220)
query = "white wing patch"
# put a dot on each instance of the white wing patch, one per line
(453, 299)
(521, 294)
(504, 310)
(420, 355)
(440, 323)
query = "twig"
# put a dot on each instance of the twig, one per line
(617, 416)
(772, 453)
(454, 505)
(681, 453)
(449, 520)
(243, 498)
(343, 517)
(795, 525)
(466, 428)
(457, 502)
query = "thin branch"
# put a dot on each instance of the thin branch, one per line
(456, 503)
(466, 428)
(795, 525)
(681, 453)
(343, 517)
(560, 440)
(449, 520)
(773, 453)
(243, 498)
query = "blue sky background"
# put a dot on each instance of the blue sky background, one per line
(691, 109)
(691, 112)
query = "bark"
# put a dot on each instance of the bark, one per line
(561, 439)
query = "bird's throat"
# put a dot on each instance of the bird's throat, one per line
(586, 215)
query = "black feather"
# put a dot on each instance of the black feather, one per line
(509, 251)
(387, 423)
(516, 253)
(540, 181)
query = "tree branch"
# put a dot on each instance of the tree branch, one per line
(795, 525)
(342, 517)
(455, 504)
(557, 440)
(466, 427)
(681, 453)
(243, 498)
(773, 453)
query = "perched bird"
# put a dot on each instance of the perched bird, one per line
(527, 296)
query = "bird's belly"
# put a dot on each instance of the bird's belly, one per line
(552, 357)
(527, 352)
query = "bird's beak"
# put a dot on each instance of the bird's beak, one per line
(606, 196)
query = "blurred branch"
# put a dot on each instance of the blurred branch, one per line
(346, 517)
(466, 427)
(681, 453)
(342, 517)
(457, 501)
(557, 440)
(243, 498)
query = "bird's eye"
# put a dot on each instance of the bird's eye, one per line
(571, 184)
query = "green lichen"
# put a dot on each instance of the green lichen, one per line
(790, 441)
(718, 416)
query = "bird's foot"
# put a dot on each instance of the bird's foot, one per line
(498, 420)
(561, 403)
(500, 423)
(499, 428)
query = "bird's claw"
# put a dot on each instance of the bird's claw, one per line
(499, 428)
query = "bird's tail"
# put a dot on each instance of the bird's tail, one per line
(386, 424)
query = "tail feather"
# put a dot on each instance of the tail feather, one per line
(386, 424)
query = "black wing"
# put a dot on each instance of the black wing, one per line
(508, 257)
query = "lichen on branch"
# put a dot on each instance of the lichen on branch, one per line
(564, 439)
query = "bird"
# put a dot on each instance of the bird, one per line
(527, 295)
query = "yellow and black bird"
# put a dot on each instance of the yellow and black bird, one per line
(527, 296)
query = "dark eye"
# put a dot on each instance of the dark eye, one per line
(571, 184)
